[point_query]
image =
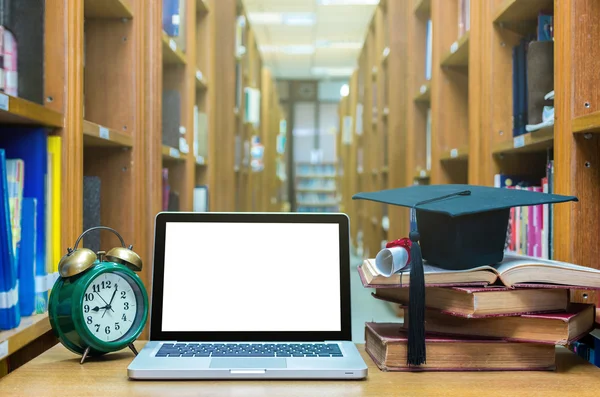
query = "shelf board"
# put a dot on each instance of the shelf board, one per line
(201, 82)
(460, 153)
(423, 7)
(200, 161)
(172, 154)
(535, 141)
(106, 9)
(30, 329)
(95, 135)
(22, 111)
(588, 123)
(519, 11)
(424, 94)
(202, 7)
(422, 175)
(458, 55)
(171, 54)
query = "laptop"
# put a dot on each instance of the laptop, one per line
(250, 296)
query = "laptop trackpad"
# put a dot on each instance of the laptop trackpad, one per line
(247, 362)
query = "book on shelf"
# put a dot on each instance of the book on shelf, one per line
(428, 50)
(472, 302)
(200, 200)
(26, 262)
(529, 227)
(514, 271)
(386, 343)
(171, 118)
(32, 147)
(173, 17)
(10, 316)
(92, 210)
(55, 170)
(165, 189)
(464, 17)
(560, 328)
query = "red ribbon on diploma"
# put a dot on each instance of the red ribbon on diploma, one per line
(403, 242)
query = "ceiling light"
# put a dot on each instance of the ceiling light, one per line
(288, 49)
(339, 45)
(278, 18)
(299, 19)
(332, 72)
(345, 90)
(265, 18)
(347, 2)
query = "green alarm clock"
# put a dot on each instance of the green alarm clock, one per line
(98, 304)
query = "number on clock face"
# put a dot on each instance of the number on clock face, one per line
(109, 307)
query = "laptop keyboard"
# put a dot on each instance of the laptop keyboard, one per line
(249, 350)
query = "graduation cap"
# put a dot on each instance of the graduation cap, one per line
(458, 227)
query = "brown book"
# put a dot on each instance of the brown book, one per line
(386, 343)
(484, 302)
(514, 271)
(552, 328)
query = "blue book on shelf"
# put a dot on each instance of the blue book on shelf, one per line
(545, 27)
(27, 265)
(30, 144)
(428, 50)
(9, 284)
(171, 17)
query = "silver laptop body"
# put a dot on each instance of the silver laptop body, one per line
(250, 296)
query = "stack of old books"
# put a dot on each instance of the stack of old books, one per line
(505, 317)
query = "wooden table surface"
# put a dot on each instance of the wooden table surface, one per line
(58, 373)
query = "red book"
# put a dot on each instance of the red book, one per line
(553, 328)
(484, 302)
(386, 343)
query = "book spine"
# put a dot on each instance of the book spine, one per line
(537, 226)
(545, 225)
(550, 171)
(518, 227)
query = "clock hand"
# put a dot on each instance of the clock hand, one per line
(102, 298)
(97, 308)
(112, 298)
(108, 305)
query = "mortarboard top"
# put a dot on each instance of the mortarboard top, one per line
(462, 231)
(458, 227)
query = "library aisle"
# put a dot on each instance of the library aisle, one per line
(112, 111)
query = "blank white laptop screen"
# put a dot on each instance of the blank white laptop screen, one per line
(251, 277)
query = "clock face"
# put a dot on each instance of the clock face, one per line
(109, 307)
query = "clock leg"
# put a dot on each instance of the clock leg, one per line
(133, 349)
(85, 353)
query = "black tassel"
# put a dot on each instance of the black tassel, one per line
(416, 305)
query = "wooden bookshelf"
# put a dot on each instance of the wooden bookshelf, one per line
(422, 7)
(589, 123)
(534, 141)
(424, 94)
(107, 9)
(95, 135)
(512, 11)
(171, 53)
(202, 6)
(15, 110)
(469, 98)
(30, 329)
(458, 54)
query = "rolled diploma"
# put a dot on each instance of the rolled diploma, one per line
(391, 260)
